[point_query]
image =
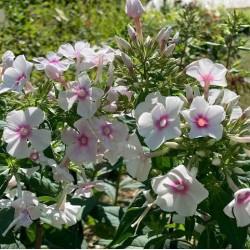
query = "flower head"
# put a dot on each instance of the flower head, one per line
(162, 123)
(22, 126)
(239, 207)
(208, 73)
(15, 77)
(81, 144)
(82, 92)
(134, 8)
(204, 119)
(179, 191)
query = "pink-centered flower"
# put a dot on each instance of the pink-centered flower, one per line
(82, 92)
(54, 59)
(208, 73)
(239, 207)
(22, 126)
(162, 123)
(110, 133)
(15, 77)
(81, 144)
(179, 191)
(204, 119)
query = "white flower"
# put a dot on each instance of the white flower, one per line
(179, 191)
(208, 73)
(162, 123)
(22, 126)
(137, 164)
(82, 92)
(15, 77)
(27, 209)
(81, 144)
(110, 133)
(239, 207)
(134, 8)
(63, 215)
(204, 119)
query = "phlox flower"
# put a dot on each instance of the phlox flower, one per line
(26, 208)
(65, 215)
(110, 133)
(54, 59)
(162, 123)
(22, 126)
(204, 119)
(81, 144)
(137, 164)
(39, 158)
(178, 191)
(86, 189)
(15, 77)
(150, 102)
(208, 73)
(82, 92)
(239, 207)
(69, 51)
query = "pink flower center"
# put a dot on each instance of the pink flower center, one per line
(34, 156)
(243, 198)
(106, 130)
(162, 123)
(21, 77)
(82, 93)
(180, 187)
(24, 132)
(207, 78)
(201, 121)
(83, 140)
(54, 61)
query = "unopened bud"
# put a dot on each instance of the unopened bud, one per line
(200, 153)
(122, 43)
(165, 38)
(160, 35)
(176, 38)
(189, 93)
(183, 98)
(127, 61)
(132, 33)
(216, 162)
(238, 170)
(196, 91)
(169, 50)
(211, 142)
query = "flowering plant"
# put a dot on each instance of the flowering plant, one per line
(179, 134)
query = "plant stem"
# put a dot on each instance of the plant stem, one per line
(38, 237)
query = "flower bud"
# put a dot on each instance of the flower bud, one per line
(189, 93)
(238, 170)
(200, 153)
(171, 144)
(165, 38)
(169, 50)
(246, 113)
(127, 61)
(216, 162)
(176, 38)
(7, 59)
(122, 43)
(196, 91)
(160, 35)
(134, 8)
(132, 33)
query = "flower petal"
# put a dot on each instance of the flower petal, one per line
(40, 139)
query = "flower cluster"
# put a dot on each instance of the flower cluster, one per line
(95, 122)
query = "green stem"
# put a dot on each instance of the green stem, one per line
(117, 186)
(38, 237)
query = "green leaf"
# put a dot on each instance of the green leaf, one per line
(235, 235)
(189, 227)
(4, 180)
(156, 243)
(43, 185)
(208, 240)
(130, 216)
(109, 215)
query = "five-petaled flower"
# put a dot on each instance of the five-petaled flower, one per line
(81, 144)
(162, 123)
(204, 119)
(239, 207)
(179, 191)
(82, 92)
(22, 126)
